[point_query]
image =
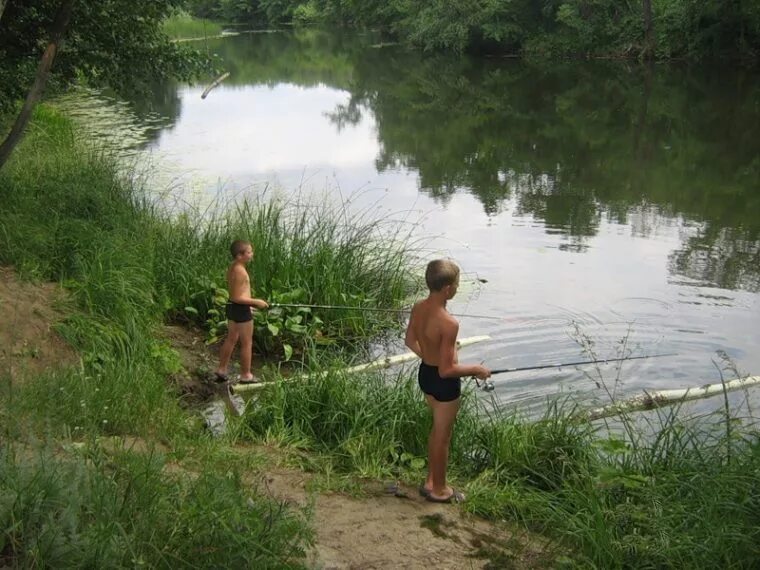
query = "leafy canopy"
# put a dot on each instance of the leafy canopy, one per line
(119, 43)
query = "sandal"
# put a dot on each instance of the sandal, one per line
(455, 497)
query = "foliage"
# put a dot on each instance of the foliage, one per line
(685, 29)
(119, 43)
(181, 25)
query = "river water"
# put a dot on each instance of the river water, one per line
(599, 203)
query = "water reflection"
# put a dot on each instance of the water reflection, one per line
(569, 143)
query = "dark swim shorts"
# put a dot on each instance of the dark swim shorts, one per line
(442, 389)
(238, 313)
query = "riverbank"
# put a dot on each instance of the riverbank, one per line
(108, 436)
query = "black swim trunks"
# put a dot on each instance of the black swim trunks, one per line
(442, 389)
(238, 313)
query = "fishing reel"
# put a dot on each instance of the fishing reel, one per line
(486, 386)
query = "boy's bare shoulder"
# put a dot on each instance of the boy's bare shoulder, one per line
(449, 322)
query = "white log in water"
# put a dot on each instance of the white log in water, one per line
(385, 362)
(216, 82)
(660, 398)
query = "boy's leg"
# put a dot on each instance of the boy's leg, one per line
(444, 415)
(225, 352)
(246, 349)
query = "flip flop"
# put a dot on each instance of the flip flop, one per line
(455, 497)
(424, 491)
(253, 380)
(220, 378)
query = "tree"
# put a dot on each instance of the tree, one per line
(648, 51)
(60, 25)
(119, 43)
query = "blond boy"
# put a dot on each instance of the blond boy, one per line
(239, 313)
(432, 335)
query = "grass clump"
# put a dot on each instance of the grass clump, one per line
(182, 25)
(120, 510)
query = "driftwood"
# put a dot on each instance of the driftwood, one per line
(660, 398)
(216, 82)
(384, 362)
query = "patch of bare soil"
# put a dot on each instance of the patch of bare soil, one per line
(391, 526)
(28, 342)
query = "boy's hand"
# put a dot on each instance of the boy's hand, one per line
(261, 304)
(481, 372)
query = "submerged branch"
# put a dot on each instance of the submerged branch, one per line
(216, 82)
(660, 398)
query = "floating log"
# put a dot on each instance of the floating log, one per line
(661, 398)
(384, 362)
(216, 82)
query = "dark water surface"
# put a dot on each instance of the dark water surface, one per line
(607, 198)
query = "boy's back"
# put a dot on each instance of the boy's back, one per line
(433, 327)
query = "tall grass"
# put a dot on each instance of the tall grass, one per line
(91, 509)
(70, 216)
(306, 253)
(669, 498)
(184, 26)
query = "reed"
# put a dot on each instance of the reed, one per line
(184, 26)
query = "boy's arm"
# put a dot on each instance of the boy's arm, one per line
(410, 339)
(448, 367)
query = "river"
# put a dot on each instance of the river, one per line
(586, 202)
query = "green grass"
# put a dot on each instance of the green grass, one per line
(92, 509)
(184, 26)
(69, 216)
(671, 497)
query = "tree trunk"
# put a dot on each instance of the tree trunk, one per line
(57, 33)
(648, 51)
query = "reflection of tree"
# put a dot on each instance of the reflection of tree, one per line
(306, 57)
(574, 142)
(156, 109)
(569, 143)
(728, 258)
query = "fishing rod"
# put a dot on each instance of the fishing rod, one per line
(578, 363)
(374, 309)
(488, 385)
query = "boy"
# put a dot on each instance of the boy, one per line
(239, 313)
(432, 335)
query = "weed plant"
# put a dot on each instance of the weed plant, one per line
(184, 26)
(91, 509)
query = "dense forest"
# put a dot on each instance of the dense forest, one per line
(661, 29)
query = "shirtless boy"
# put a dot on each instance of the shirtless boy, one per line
(239, 313)
(432, 335)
